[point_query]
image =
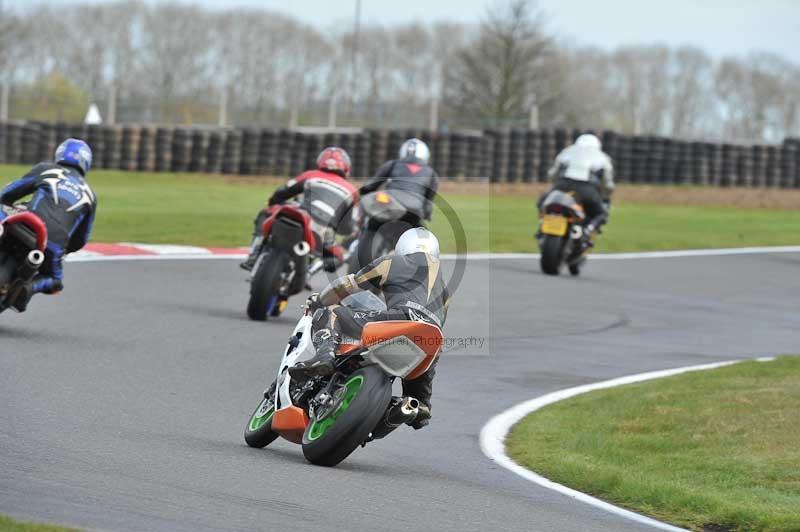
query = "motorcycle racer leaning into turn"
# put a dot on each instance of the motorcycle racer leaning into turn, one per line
(585, 170)
(327, 197)
(65, 202)
(410, 179)
(410, 281)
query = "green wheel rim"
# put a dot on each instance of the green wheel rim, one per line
(258, 421)
(320, 427)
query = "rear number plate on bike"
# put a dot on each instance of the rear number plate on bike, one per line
(554, 225)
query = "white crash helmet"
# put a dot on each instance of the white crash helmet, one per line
(587, 140)
(415, 149)
(418, 240)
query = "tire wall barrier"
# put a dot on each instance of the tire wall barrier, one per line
(500, 155)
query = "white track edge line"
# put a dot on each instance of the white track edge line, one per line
(476, 256)
(713, 252)
(494, 433)
(166, 256)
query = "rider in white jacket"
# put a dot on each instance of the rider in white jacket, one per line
(586, 170)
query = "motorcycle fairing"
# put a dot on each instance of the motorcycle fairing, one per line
(293, 213)
(557, 201)
(290, 420)
(32, 222)
(404, 349)
(382, 206)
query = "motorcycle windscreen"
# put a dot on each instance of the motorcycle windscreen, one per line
(404, 349)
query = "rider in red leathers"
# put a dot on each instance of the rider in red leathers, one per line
(327, 197)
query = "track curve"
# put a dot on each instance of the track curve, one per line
(124, 400)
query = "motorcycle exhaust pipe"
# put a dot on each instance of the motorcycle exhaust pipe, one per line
(35, 258)
(2, 230)
(30, 267)
(402, 411)
(301, 248)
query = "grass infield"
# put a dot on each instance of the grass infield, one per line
(218, 211)
(713, 450)
(11, 525)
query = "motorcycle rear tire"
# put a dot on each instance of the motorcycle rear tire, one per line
(265, 284)
(8, 267)
(353, 426)
(552, 248)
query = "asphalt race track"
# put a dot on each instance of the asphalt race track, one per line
(123, 401)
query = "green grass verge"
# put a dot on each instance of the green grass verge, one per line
(651, 227)
(10, 525)
(214, 211)
(715, 447)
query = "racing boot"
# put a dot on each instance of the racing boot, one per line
(421, 389)
(321, 364)
(255, 250)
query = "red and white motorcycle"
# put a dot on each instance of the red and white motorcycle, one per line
(282, 268)
(23, 240)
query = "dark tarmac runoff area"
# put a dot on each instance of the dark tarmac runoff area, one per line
(123, 401)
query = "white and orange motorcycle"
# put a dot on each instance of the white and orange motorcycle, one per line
(331, 416)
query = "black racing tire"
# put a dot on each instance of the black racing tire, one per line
(258, 433)
(552, 248)
(367, 246)
(265, 283)
(8, 267)
(375, 244)
(352, 427)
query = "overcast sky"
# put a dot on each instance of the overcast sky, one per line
(720, 26)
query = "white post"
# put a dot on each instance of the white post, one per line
(223, 107)
(534, 118)
(111, 115)
(4, 90)
(354, 52)
(332, 112)
(433, 117)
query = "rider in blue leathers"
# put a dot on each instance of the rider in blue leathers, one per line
(65, 202)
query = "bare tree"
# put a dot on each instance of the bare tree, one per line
(498, 77)
(691, 106)
(175, 57)
(172, 62)
(758, 97)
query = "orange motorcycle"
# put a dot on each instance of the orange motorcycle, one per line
(331, 416)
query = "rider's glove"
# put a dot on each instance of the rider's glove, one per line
(313, 302)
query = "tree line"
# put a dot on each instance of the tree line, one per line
(181, 63)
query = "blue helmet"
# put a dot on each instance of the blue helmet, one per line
(75, 153)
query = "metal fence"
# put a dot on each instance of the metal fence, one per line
(515, 155)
